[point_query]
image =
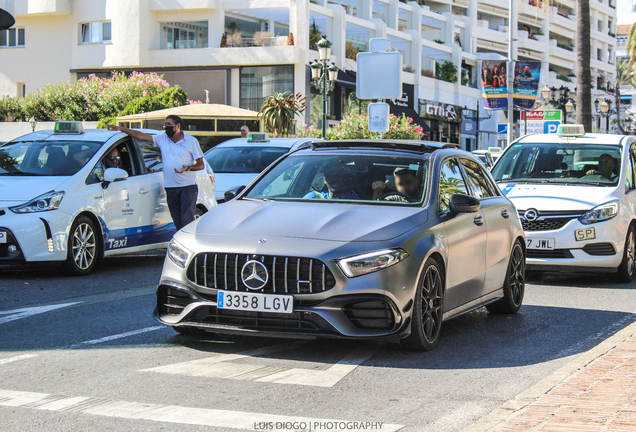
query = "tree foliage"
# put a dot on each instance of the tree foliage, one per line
(278, 112)
(94, 99)
(357, 127)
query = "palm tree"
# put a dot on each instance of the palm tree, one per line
(624, 76)
(278, 112)
(583, 55)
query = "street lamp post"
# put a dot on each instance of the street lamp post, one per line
(605, 109)
(477, 119)
(33, 122)
(562, 98)
(324, 77)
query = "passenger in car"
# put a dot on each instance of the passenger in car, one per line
(605, 166)
(337, 186)
(406, 183)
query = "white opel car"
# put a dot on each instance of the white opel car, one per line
(576, 196)
(59, 204)
(239, 161)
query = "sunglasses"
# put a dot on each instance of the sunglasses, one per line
(168, 125)
(113, 158)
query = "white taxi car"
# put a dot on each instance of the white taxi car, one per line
(576, 197)
(59, 204)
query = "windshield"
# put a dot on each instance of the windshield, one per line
(351, 178)
(45, 158)
(582, 164)
(243, 159)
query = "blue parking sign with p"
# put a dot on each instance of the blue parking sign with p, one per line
(551, 126)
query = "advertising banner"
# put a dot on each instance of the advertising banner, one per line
(526, 84)
(493, 83)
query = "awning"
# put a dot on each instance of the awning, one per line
(409, 112)
(346, 80)
(626, 97)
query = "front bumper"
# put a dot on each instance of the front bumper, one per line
(604, 253)
(37, 237)
(365, 316)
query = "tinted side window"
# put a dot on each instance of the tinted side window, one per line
(152, 157)
(450, 182)
(478, 180)
(631, 169)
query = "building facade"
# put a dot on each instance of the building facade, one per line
(243, 50)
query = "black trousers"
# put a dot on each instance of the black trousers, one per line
(182, 203)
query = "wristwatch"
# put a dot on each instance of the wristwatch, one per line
(188, 169)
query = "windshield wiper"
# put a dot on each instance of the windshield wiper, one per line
(593, 184)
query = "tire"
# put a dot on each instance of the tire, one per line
(626, 270)
(82, 248)
(514, 284)
(199, 212)
(190, 331)
(428, 309)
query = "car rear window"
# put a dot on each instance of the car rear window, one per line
(243, 159)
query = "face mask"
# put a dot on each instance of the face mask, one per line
(169, 131)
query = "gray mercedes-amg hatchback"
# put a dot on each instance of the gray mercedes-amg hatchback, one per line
(350, 239)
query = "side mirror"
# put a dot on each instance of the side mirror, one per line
(114, 174)
(232, 192)
(460, 203)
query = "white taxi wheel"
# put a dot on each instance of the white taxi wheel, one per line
(82, 248)
(627, 268)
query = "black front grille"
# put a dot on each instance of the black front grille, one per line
(556, 253)
(287, 275)
(375, 314)
(305, 322)
(599, 249)
(548, 220)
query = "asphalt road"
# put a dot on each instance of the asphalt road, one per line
(85, 354)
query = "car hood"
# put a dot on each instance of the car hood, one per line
(17, 190)
(556, 197)
(308, 220)
(224, 181)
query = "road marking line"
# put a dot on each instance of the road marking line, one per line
(17, 314)
(222, 366)
(182, 415)
(117, 336)
(17, 358)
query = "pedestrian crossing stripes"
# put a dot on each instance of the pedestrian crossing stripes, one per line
(224, 366)
(183, 415)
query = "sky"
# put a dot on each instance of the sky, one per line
(624, 11)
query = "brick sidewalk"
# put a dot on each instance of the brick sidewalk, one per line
(599, 396)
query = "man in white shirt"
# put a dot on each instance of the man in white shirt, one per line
(181, 156)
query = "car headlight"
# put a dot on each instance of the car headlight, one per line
(178, 253)
(48, 201)
(600, 213)
(370, 262)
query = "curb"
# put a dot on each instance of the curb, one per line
(522, 400)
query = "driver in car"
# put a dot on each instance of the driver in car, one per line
(605, 167)
(337, 187)
(406, 183)
(111, 160)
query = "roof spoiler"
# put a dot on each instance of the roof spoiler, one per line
(423, 147)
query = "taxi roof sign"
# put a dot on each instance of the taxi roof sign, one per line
(571, 130)
(258, 137)
(68, 127)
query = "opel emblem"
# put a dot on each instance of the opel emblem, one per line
(254, 274)
(531, 215)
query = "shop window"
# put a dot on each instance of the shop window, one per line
(259, 82)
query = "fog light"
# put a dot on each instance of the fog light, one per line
(12, 248)
(49, 245)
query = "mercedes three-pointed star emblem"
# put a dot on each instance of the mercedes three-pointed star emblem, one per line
(254, 275)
